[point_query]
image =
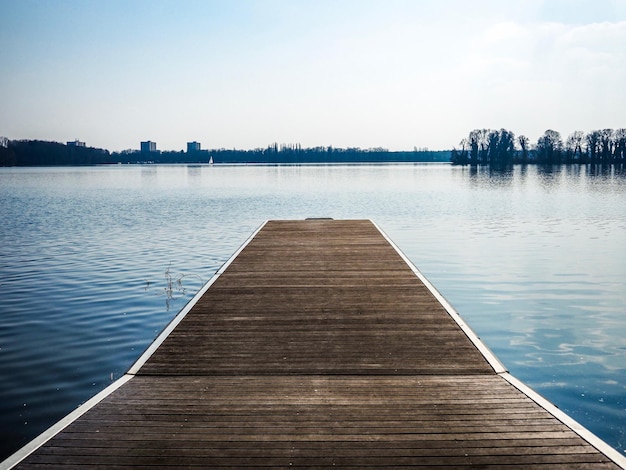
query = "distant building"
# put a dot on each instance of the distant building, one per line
(193, 146)
(76, 143)
(148, 146)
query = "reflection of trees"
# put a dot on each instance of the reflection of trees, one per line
(548, 176)
(605, 171)
(486, 176)
(500, 148)
(619, 170)
(551, 173)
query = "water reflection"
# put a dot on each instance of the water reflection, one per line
(606, 171)
(602, 172)
(194, 172)
(533, 257)
(491, 177)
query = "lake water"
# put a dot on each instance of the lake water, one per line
(95, 261)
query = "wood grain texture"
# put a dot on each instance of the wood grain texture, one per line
(317, 297)
(317, 347)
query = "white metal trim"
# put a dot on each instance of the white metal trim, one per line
(498, 367)
(179, 317)
(55, 429)
(567, 420)
(48, 434)
(501, 370)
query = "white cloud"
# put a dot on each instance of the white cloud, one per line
(596, 48)
(353, 72)
(547, 75)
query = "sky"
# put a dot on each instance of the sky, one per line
(243, 74)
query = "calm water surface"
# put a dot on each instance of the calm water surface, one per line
(94, 262)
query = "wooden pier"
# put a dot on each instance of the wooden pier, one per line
(318, 344)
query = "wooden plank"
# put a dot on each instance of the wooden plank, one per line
(307, 299)
(318, 345)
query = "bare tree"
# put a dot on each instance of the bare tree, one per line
(524, 143)
(460, 157)
(606, 144)
(593, 145)
(550, 147)
(479, 146)
(493, 141)
(619, 155)
(474, 141)
(574, 146)
(501, 147)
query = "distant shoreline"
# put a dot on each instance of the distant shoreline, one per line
(30, 153)
(43, 153)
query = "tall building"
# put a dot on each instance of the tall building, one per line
(76, 143)
(193, 146)
(148, 146)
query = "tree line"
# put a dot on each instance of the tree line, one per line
(503, 148)
(481, 147)
(43, 153)
(295, 153)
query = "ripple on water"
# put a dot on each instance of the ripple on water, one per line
(90, 260)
